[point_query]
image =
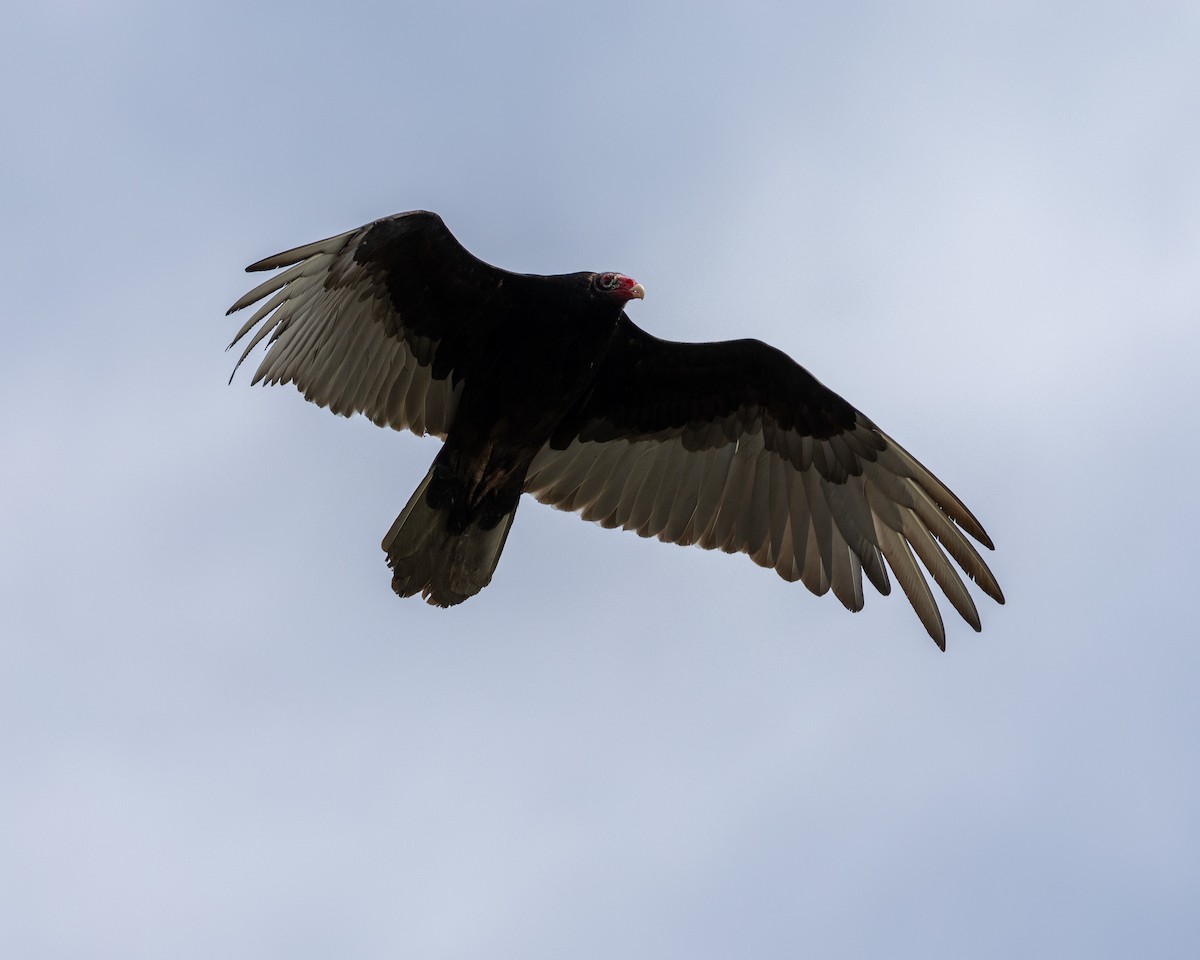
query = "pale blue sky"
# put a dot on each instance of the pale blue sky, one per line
(221, 735)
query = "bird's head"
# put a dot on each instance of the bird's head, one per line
(618, 287)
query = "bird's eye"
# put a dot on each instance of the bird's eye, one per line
(606, 281)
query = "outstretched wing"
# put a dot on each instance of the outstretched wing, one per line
(734, 446)
(385, 320)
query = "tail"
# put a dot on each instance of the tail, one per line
(446, 562)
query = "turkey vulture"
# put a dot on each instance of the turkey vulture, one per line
(543, 385)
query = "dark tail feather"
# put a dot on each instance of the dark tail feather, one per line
(444, 567)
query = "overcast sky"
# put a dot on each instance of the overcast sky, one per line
(222, 735)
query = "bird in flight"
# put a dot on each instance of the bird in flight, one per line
(543, 385)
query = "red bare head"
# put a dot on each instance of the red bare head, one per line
(619, 287)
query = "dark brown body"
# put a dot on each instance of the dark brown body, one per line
(543, 362)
